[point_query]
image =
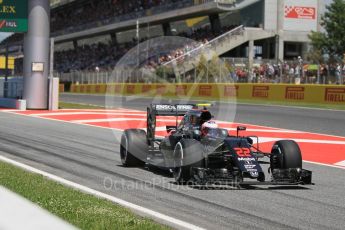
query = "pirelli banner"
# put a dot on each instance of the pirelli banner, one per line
(318, 94)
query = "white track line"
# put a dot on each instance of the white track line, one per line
(87, 113)
(341, 163)
(267, 130)
(143, 210)
(118, 119)
(68, 122)
(328, 135)
(322, 164)
(108, 120)
(271, 139)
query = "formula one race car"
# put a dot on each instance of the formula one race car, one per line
(196, 150)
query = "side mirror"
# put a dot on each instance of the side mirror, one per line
(250, 140)
(223, 133)
(170, 128)
(196, 133)
(241, 128)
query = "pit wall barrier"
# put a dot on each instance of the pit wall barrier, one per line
(319, 94)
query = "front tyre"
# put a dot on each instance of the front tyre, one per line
(188, 153)
(133, 148)
(286, 154)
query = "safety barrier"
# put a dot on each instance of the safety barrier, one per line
(320, 94)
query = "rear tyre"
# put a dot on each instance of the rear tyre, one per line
(286, 154)
(188, 153)
(134, 148)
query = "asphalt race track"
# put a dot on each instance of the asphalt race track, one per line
(312, 120)
(90, 156)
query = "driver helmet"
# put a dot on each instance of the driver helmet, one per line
(208, 128)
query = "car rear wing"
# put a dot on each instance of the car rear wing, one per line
(171, 110)
(163, 110)
(176, 110)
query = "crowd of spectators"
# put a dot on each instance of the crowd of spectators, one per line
(200, 36)
(88, 57)
(289, 72)
(105, 56)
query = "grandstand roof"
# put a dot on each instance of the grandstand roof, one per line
(169, 16)
(57, 3)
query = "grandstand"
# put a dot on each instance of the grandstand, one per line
(97, 33)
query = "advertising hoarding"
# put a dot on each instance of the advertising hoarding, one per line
(300, 15)
(13, 15)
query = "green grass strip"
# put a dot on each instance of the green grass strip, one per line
(68, 105)
(80, 209)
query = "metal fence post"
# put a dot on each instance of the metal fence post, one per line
(342, 75)
(328, 75)
(194, 73)
(281, 73)
(220, 73)
(318, 74)
(207, 71)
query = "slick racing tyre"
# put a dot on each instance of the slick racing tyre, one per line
(188, 153)
(286, 154)
(134, 148)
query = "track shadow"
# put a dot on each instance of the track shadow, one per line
(159, 170)
(242, 187)
(154, 169)
(166, 173)
(276, 187)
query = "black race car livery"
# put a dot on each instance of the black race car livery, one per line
(214, 157)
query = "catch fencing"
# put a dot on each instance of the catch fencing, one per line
(226, 70)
